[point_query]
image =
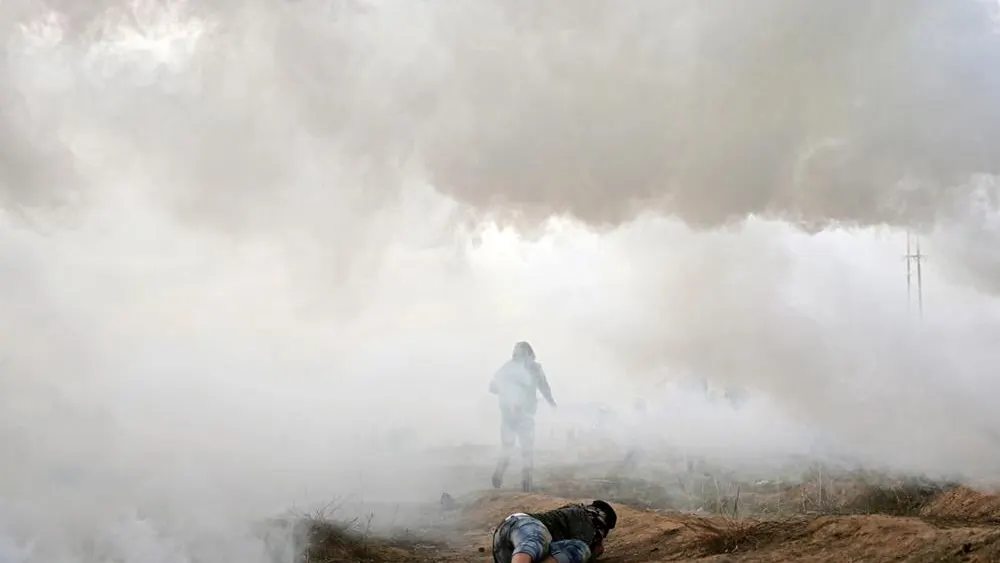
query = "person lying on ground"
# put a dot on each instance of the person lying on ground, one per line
(573, 533)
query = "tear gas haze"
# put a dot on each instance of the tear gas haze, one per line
(264, 254)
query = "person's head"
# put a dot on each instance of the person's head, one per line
(603, 515)
(523, 351)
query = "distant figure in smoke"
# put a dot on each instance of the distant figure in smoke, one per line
(516, 384)
(573, 533)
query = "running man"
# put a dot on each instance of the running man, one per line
(516, 385)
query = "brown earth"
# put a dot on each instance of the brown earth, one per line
(963, 505)
(957, 524)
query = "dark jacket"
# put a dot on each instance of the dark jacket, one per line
(571, 522)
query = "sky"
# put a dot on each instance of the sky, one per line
(247, 245)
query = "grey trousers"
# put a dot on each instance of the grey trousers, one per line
(516, 429)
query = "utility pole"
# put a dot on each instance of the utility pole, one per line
(914, 260)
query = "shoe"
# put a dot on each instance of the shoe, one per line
(502, 464)
(526, 484)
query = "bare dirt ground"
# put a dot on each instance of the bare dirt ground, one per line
(955, 526)
(906, 522)
(672, 508)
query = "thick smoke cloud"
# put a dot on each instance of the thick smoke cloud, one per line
(231, 280)
(817, 112)
(313, 117)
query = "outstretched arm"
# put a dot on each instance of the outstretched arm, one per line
(597, 550)
(543, 383)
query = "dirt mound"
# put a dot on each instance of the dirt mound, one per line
(639, 535)
(646, 536)
(919, 523)
(962, 504)
(635, 527)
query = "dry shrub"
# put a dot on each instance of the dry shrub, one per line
(904, 498)
(321, 537)
(736, 535)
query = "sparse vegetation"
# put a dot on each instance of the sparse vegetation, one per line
(698, 512)
(733, 535)
(702, 489)
(321, 536)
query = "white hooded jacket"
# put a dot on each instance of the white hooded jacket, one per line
(518, 382)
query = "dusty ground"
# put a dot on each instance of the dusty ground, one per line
(677, 509)
(954, 524)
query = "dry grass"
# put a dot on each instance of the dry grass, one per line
(861, 522)
(652, 536)
(904, 497)
(689, 512)
(321, 536)
(730, 536)
(812, 490)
